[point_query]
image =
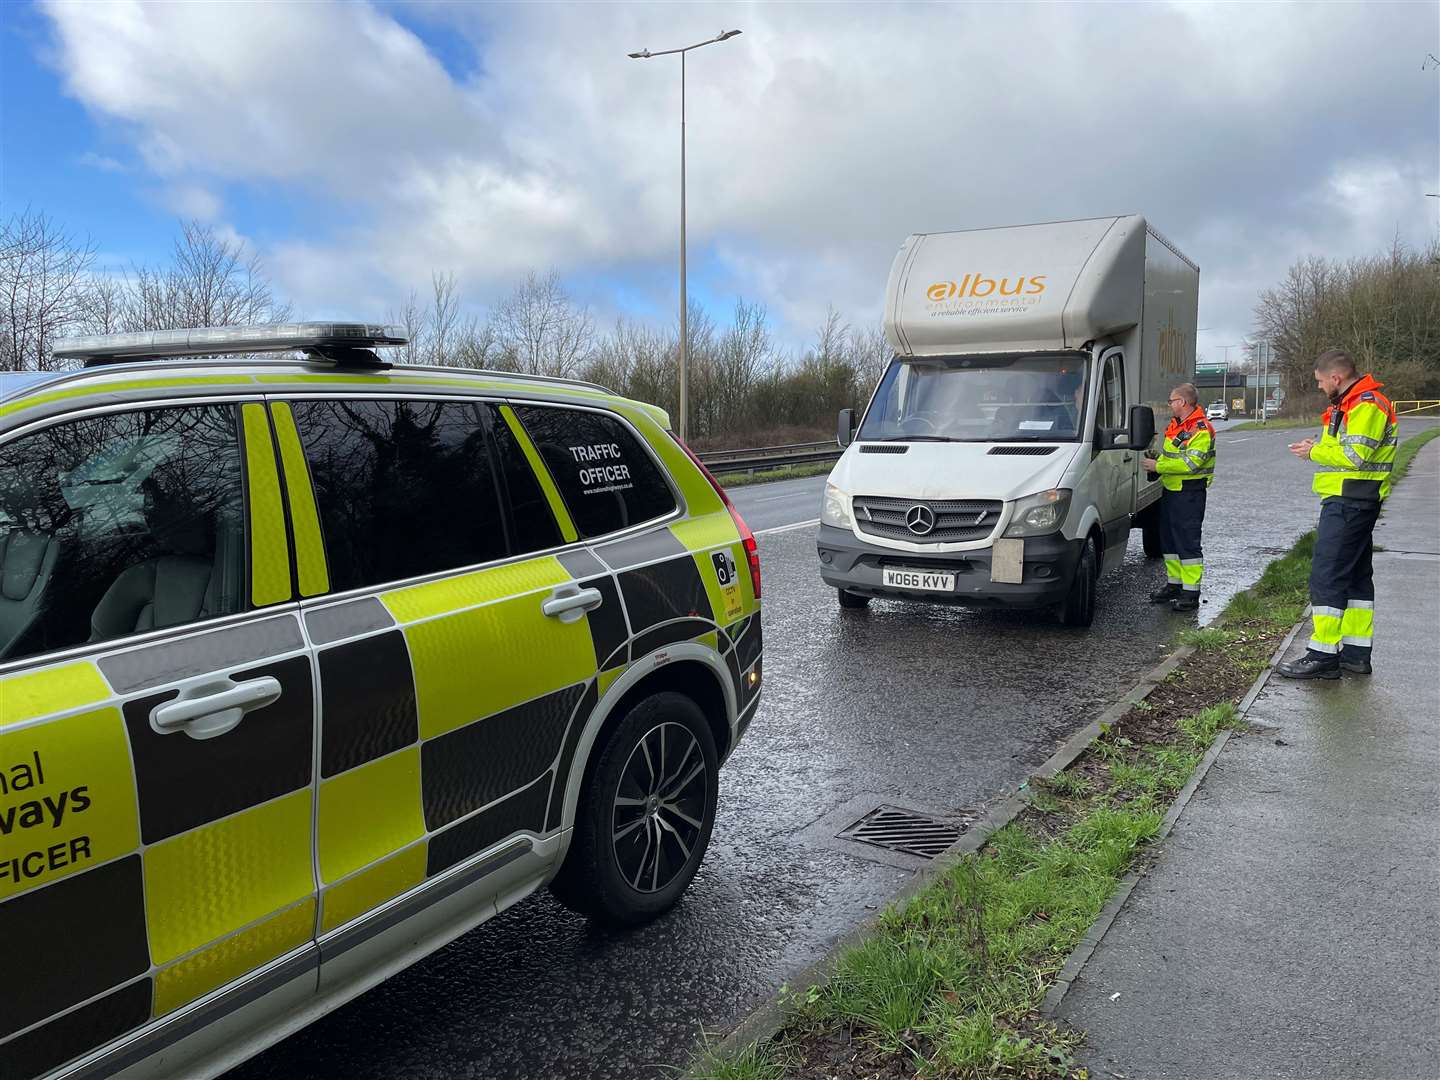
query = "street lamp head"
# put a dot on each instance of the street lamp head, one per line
(726, 35)
(643, 54)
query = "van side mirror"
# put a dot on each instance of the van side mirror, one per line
(1142, 426)
(1136, 436)
(845, 427)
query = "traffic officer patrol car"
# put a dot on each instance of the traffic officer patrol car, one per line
(308, 666)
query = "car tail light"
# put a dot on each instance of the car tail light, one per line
(747, 538)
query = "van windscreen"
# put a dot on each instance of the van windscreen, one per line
(980, 399)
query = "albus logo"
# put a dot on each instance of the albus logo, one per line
(978, 286)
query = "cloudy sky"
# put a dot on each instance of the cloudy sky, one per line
(359, 146)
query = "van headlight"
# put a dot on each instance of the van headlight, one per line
(1038, 514)
(835, 508)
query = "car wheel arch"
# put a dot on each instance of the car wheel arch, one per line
(694, 670)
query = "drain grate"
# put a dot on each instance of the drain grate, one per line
(904, 830)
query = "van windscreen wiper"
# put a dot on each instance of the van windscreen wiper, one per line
(921, 438)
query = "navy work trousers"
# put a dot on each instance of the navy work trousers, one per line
(1342, 588)
(1182, 516)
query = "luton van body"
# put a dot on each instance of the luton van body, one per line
(998, 462)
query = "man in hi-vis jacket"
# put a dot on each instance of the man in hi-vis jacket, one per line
(1356, 452)
(1186, 466)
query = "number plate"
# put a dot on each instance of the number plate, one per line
(919, 580)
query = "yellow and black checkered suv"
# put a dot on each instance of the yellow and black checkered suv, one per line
(309, 664)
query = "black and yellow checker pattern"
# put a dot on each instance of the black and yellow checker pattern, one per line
(141, 871)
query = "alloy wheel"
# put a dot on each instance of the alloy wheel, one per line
(659, 810)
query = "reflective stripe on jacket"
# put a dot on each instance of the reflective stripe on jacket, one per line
(1188, 452)
(1356, 451)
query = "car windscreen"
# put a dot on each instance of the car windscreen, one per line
(979, 399)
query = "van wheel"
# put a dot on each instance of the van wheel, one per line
(645, 814)
(852, 600)
(1150, 532)
(1078, 608)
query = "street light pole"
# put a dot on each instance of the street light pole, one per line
(646, 54)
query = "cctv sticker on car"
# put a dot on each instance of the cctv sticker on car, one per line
(67, 798)
(921, 580)
(729, 584)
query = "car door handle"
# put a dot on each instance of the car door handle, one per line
(569, 602)
(212, 709)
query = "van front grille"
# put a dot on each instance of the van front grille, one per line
(951, 521)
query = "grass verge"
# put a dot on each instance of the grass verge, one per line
(788, 472)
(950, 983)
(1407, 450)
(1277, 422)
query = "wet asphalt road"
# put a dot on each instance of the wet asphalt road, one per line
(931, 708)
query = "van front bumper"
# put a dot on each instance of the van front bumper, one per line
(856, 566)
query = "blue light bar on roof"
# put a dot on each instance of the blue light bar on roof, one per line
(220, 340)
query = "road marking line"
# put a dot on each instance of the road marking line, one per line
(787, 528)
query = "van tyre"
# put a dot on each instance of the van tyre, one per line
(1078, 607)
(1150, 532)
(852, 600)
(645, 814)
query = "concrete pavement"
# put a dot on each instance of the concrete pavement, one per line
(1288, 928)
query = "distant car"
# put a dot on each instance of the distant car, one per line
(1217, 410)
(1271, 408)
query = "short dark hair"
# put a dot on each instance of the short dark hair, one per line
(1335, 362)
(1187, 391)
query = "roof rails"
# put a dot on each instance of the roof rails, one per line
(348, 344)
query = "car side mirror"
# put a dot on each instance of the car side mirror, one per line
(845, 427)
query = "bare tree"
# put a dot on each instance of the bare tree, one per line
(212, 281)
(444, 317)
(540, 330)
(475, 345)
(870, 355)
(103, 304)
(42, 280)
(414, 323)
(1384, 310)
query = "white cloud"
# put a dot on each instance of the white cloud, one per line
(92, 160)
(192, 202)
(1249, 134)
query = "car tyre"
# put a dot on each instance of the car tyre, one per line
(852, 600)
(1078, 607)
(637, 795)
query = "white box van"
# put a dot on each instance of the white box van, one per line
(998, 462)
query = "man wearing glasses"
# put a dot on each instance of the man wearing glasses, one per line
(1186, 466)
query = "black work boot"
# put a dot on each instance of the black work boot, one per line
(1186, 601)
(1167, 592)
(1355, 665)
(1310, 666)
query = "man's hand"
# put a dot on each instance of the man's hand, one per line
(1301, 449)
(1149, 463)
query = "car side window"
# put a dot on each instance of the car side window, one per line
(118, 524)
(532, 523)
(404, 488)
(1114, 392)
(606, 478)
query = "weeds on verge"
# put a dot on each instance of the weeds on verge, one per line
(1207, 638)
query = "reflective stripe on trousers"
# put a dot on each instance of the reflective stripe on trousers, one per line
(1342, 589)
